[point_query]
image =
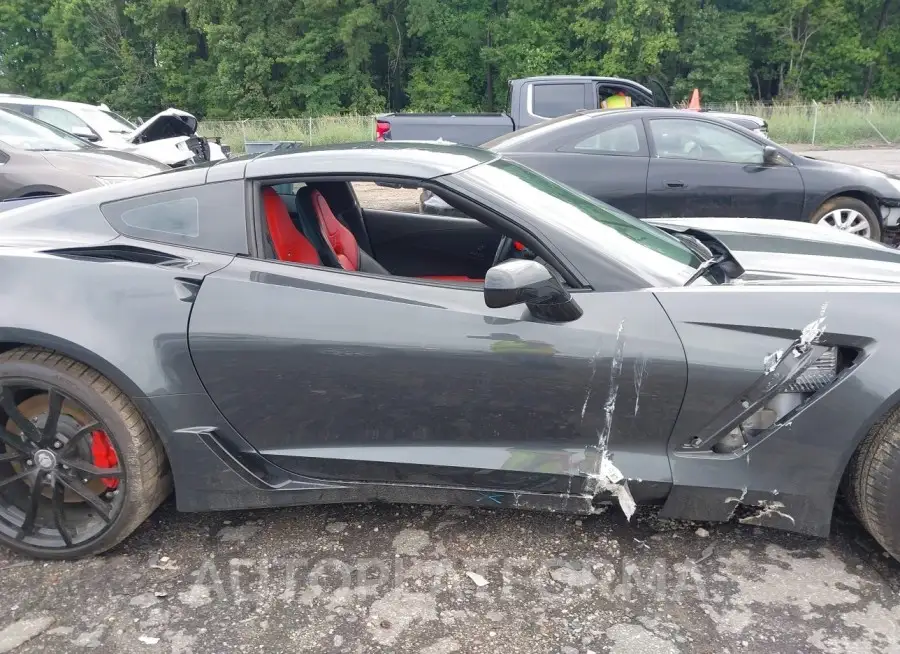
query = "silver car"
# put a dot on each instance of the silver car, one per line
(37, 159)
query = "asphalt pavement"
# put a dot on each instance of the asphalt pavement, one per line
(885, 159)
(438, 580)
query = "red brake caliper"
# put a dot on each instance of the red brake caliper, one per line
(104, 456)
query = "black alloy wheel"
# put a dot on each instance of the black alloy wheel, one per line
(61, 483)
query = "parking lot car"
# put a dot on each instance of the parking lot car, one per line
(246, 333)
(658, 163)
(169, 136)
(37, 159)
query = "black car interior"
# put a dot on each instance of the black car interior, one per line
(322, 223)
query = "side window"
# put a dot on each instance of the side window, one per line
(702, 141)
(59, 117)
(624, 139)
(208, 217)
(552, 100)
(380, 197)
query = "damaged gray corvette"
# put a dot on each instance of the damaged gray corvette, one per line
(248, 334)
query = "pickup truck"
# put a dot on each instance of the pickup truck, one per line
(533, 100)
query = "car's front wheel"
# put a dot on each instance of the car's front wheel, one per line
(80, 469)
(873, 483)
(849, 215)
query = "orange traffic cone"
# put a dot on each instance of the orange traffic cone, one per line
(695, 101)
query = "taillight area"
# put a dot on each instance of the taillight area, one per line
(382, 129)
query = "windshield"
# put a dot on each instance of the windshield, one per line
(623, 236)
(27, 133)
(104, 120)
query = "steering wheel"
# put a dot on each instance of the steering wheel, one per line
(504, 250)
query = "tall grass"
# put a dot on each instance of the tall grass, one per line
(311, 131)
(834, 124)
(844, 124)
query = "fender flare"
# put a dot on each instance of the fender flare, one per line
(12, 338)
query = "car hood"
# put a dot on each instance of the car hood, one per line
(166, 124)
(739, 118)
(859, 174)
(101, 162)
(785, 252)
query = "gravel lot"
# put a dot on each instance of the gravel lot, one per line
(396, 579)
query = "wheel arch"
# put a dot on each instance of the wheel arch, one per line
(890, 404)
(11, 339)
(863, 195)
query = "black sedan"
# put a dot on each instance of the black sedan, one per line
(249, 335)
(38, 159)
(656, 163)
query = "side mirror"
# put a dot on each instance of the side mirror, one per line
(522, 281)
(770, 155)
(85, 133)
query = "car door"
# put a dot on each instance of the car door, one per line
(338, 375)
(703, 168)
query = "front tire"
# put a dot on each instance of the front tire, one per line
(849, 215)
(873, 483)
(80, 469)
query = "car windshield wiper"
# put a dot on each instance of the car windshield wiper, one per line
(704, 267)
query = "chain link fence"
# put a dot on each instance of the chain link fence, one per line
(840, 124)
(311, 131)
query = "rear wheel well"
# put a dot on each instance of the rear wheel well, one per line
(101, 366)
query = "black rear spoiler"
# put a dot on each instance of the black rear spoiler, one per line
(6, 205)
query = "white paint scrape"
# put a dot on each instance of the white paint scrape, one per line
(613, 481)
(814, 330)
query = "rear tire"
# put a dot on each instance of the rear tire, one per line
(849, 215)
(873, 483)
(144, 480)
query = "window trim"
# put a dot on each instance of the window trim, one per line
(113, 217)
(643, 141)
(471, 206)
(529, 97)
(654, 154)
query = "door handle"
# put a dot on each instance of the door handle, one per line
(676, 184)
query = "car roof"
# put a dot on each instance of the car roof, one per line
(514, 140)
(583, 78)
(424, 159)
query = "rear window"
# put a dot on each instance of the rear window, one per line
(179, 217)
(552, 100)
(207, 217)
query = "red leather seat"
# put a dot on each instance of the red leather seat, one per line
(337, 236)
(287, 241)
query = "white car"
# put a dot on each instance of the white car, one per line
(169, 137)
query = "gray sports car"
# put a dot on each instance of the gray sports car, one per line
(247, 333)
